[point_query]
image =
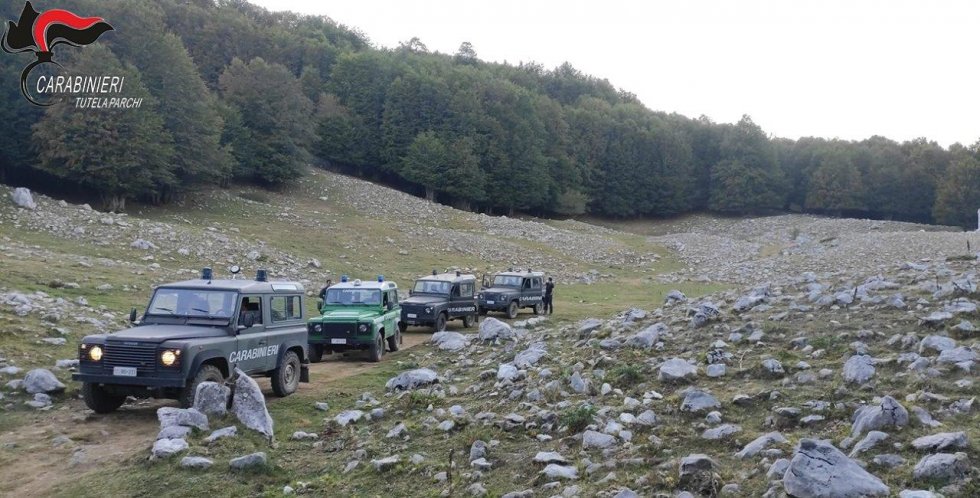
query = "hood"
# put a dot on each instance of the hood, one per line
(500, 290)
(425, 300)
(161, 333)
(348, 315)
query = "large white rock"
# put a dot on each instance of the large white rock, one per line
(941, 441)
(211, 399)
(943, 466)
(165, 448)
(189, 417)
(492, 329)
(41, 380)
(22, 197)
(819, 470)
(450, 341)
(531, 355)
(249, 407)
(412, 379)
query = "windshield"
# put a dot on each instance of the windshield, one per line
(506, 281)
(353, 296)
(432, 287)
(193, 303)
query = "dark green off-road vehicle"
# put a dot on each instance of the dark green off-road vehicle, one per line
(510, 291)
(440, 298)
(196, 331)
(356, 316)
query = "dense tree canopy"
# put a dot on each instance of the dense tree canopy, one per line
(237, 93)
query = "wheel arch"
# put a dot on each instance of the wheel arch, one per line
(211, 357)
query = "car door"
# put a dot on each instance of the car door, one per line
(392, 316)
(463, 302)
(251, 349)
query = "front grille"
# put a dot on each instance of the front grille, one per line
(339, 329)
(417, 309)
(141, 356)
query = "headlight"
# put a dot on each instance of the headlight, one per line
(480, 296)
(169, 357)
(95, 354)
(318, 328)
(362, 327)
(428, 310)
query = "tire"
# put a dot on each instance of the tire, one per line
(376, 350)
(394, 341)
(512, 310)
(316, 353)
(285, 379)
(207, 373)
(440, 325)
(467, 321)
(100, 400)
(483, 312)
(537, 309)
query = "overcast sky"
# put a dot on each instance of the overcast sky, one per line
(829, 68)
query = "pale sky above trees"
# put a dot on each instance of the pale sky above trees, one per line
(828, 68)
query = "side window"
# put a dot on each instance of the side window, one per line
(251, 305)
(466, 289)
(536, 283)
(527, 283)
(286, 308)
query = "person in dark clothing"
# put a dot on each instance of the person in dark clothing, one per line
(323, 291)
(549, 290)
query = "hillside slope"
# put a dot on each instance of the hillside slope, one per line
(792, 328)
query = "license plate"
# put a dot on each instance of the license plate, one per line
(412, 315)
(124, 371)
(490, 302)
(338, 341)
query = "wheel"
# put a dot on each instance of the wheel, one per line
(376, 350)
(100, 400)
(402, 327)
(483, 312)
(316, 353)
(512, 310)
(394, 341)
(285, 379)
(207, 373)
(440, 322)
(467, 321)
(537, 309)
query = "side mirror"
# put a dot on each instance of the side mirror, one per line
(319, 304)
(132, 315)
(411, 293)
(248, 320)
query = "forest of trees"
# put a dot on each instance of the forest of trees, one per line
(235, 93)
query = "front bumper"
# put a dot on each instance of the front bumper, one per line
(92, 378)
(496, 305)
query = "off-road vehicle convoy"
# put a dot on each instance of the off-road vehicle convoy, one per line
(510, 291)
(439, 298)
(196, 331)
(356, 316)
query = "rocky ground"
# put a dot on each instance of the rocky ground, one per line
(842, 361)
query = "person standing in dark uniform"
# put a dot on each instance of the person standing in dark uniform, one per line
(549, 290)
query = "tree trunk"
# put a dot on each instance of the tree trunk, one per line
(114, 203)
(430, 194)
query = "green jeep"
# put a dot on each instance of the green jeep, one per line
(356, 316)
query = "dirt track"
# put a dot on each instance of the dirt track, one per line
(113, 438)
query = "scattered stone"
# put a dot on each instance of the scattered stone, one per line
(557, 471)
(720, 432)
(386, 463)
(677, 369)
(858, 369)
(818, 469)
(941, 441)
(251, 461)
(592, 439)
(492, 329)
(230, 431)
(195, 462)
(760, 443)
(942, 466)
(696, 401)
(890, 413)
(189, 417)
(166, 448)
